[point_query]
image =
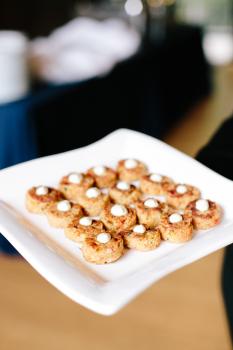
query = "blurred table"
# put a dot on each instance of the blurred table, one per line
(148, 92)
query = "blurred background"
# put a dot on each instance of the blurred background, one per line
(77, 70)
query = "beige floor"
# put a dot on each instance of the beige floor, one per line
(182, 311)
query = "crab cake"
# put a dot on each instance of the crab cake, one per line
(103, 248)
(117, 217)
(180, 195)
(124, 193)
(38, 198)
(142, 238)
(206, 214)
(149, 211)
(103, 176)
(131, 169)
(75, 184)
(155, 184)
(93, 201)
(176, 227)
(83, 227)
(61, 213)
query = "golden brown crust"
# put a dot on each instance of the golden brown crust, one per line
(130, 175)
(153, 187)
(62, 219)
(108, 179)
(150, 216)
(72, 191)
(37, 203)
(77, 232)
(207, 219)
(149, 240)
(178, 232)
(125, 197)
(103, 253)
(131, 222)
(118, 223)
(180, 201)
(93, 206)
(53, 195)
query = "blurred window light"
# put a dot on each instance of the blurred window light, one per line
(218, 46)
(215, 17)
(133, 7)
(205, 12)
(193, 12)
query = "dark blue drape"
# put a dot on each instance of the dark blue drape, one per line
(17, 141)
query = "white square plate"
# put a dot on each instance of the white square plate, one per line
(105, 289)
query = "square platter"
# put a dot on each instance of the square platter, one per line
(107, 288)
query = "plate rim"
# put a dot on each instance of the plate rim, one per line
(95, 301)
